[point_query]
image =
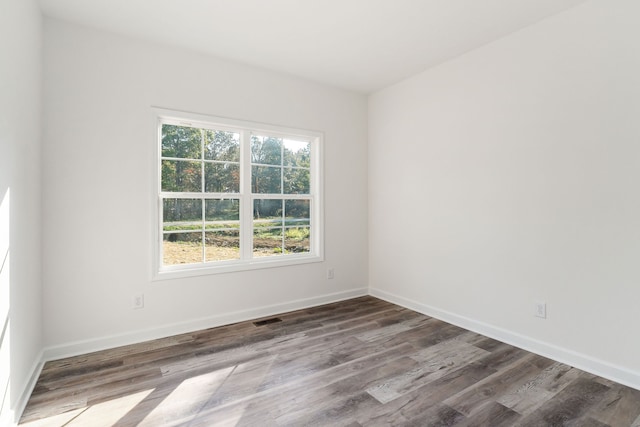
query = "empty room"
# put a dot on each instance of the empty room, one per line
(319, 213)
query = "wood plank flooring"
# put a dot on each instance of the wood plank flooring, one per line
(361, 362)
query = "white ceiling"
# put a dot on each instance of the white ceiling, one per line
(361, 45)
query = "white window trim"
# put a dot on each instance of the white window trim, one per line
(160, 272)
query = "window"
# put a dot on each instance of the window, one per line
(234, 195)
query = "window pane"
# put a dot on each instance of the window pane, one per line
(182, 214)
(268, 211)
(182, 142)
(220, 145)
(222, 211)
(181, 176)
(296, 240)
(267, 241)
(266, 150)
(296, 181)
(181, 248)
(267, 227)
(222, 245)
(266, 180)
(297, 212)
(297, 153)
(221, 178)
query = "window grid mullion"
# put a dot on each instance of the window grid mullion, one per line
(202, 178)
(204, 243)
(246, 204)
(282, 218)
(296, 196)
(160, 241)
(205, 196)
(202, 199)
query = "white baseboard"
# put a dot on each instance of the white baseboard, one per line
(569, 357)
(107, 342)
(36, 369)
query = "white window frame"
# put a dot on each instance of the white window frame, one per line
(244, 128)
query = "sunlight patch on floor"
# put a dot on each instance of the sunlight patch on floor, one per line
(56, 420)
(187, 399)
(105, 414)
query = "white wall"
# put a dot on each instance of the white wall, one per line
(510, 175)
(20, 262)
(98, 145)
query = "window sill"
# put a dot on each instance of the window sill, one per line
(184, 271)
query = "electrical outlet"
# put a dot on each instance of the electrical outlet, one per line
(330, 273)
(541, 309)
(138, 301)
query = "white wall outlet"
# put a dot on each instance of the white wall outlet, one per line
(541, 309)
(330, 273)
(138, 301)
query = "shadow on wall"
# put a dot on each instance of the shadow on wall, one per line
(6, 414)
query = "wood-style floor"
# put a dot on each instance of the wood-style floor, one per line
(362, 362)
